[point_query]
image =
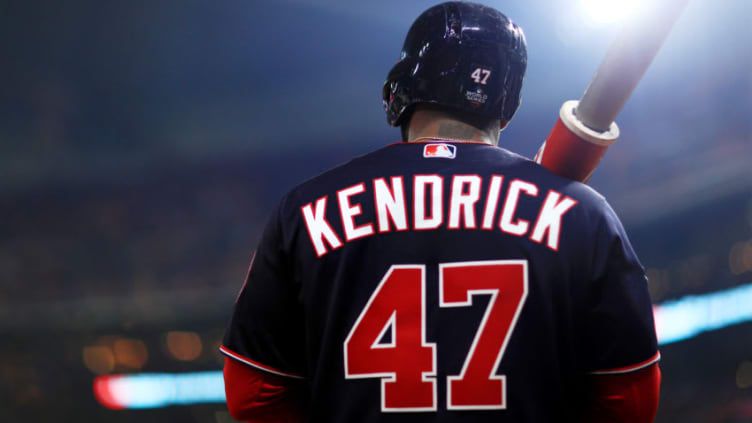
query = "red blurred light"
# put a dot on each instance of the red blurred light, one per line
(103, 392)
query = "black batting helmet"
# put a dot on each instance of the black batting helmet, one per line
(461, 55)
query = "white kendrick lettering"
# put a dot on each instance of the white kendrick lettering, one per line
(492, 201)
(390, 203)
(318, 228)
(459, 201)
(422, 221)
(350, 211)
(390, 209)
(549, 220)
(507, 223)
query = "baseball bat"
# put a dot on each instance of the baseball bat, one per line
(586, 127)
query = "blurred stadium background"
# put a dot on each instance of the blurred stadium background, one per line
(143, 144)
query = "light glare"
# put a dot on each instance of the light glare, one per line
(609, 11)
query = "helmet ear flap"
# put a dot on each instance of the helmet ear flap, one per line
(397, 91)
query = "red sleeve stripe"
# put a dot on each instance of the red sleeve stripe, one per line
(627, 369)
(224, 350)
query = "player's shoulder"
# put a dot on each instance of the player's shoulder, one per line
(592, 212)
(380, 160)
(593, 208)
(325, 183)
(523, 167)
(335, 176)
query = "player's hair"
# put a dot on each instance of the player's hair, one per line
(463, 56)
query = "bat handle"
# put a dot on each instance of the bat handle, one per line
(573, 149)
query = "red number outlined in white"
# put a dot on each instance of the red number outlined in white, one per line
(363, 361)
(508, 294)
(506, 281)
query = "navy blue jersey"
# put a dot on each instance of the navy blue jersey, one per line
(443, 282)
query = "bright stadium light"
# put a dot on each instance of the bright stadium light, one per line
(610, 11)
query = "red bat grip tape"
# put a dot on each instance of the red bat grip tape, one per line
(573, 150)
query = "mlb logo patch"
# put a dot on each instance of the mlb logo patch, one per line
(446, 151)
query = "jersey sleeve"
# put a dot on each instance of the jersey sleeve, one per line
(258, 396)
(625, 398)
(266, 327)
(619, 331)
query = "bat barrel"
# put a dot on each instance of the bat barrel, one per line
(625, 64)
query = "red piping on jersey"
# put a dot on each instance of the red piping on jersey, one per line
(441, 141)
(632, 368)
(226, 351)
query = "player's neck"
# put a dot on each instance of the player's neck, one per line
(430, 124)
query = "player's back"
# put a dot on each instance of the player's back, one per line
(444, 282)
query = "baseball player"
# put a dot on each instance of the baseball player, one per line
(443, 278)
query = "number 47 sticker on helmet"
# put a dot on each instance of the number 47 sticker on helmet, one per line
(480, 76)
(406, 364)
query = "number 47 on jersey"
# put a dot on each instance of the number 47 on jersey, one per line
(406, 364)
